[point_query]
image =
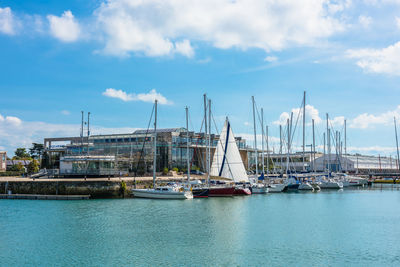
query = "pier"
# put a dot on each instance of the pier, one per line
(44, 197)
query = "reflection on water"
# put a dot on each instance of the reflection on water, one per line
(348, 227)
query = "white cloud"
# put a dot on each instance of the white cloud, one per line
(385, 60)
(365, 21)
(64, 28)
(397, 22)
(152, 27)
(65, 112)
(15, 132)
(366, 120)
(10, 120)
(184, 48)
(7, 21)
(145, 97)
(270, 59)
(311, 113)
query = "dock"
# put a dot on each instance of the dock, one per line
(44, 197)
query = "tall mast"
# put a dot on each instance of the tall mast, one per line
(187, 146)
(324, 153)
(266, 128)
(313, 146)
(82, 133)
(345, 144)
(328, 139)
(88, 131)
(155, 145)
(262, 141)
(288, 147)
(280, 145)
(205, 136)
(397, 144)
(255, 135)
(304, 129)
(209, 139)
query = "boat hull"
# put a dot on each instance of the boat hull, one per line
(221, 191)
(259, 190)
(292, 187)
(155, 194)
(276, 188)
(200, 192)
(242, 192)
(331, 185)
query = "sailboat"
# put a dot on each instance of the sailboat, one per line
(198, 192)
(164, 192)
(227, 163)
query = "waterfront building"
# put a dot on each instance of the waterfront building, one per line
(3, 161)
(132, 152)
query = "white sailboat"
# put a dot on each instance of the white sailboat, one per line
(165, 192)
(227, 162)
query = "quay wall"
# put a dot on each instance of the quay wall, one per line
(96, 189)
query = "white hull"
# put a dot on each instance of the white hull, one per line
(305, 186)
(276, 188)
(331, 185)
(259, 190)
(158, 194)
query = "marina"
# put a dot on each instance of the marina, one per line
(297, 229)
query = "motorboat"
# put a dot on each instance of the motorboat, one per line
(164, 192)
(305, 186)
(276, 188)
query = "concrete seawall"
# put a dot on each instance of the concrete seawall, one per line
(96, 189)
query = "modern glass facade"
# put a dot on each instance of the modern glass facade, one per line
(134, 152)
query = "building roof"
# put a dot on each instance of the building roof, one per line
(165, 130)
(24, 162)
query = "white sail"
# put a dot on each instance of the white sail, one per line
(227, 162)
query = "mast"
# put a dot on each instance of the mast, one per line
(280, 145)
(82, 133)
(155, 145)
(313, 150)
(397, 144)
(187, 146)
(255, 135)
(88, 131)
(324, 161)
(266, 128)
(209, 139)
(328, 139)
(345, 145)
(304, 129)
(288, 147)
(262, 141)
(205, 136)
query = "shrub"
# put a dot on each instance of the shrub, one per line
(175, 169)
(165, 171)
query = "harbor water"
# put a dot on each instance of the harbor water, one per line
(357, 227)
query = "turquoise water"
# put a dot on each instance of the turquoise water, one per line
(337, 228)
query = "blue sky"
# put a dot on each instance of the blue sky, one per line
(60, 57)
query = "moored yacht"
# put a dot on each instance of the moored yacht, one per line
(165, 192)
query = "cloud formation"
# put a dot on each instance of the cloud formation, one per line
(384, 61)
(144, 97)
(366, 120)
(15, 132)
(154, 27)
(7, 21)
(64, 28)
(311, 114)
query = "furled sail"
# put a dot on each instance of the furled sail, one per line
(227, 162)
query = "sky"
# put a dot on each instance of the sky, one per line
(114, 58)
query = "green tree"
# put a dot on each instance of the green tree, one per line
(36, 151)
(20, 153)
(16, 168)
(33, 166)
